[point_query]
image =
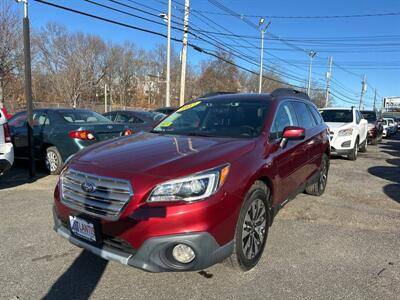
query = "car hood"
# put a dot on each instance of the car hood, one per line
(334, 126)
(158, 155)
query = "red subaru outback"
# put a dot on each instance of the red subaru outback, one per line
(202, 186)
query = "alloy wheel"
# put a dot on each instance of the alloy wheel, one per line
(253, 230)
(323, 177)
(51, 161)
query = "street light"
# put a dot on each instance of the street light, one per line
(262, 31)
(311, 54)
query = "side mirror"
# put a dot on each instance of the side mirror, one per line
(292, 133)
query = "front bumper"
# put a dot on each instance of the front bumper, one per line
(6, 157)
(341, 145)
(153, 255)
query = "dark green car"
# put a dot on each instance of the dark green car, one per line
(60, 133)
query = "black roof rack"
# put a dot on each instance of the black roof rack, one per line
(216, 94)
(282, 92)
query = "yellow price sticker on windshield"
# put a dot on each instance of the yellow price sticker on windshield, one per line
(165, 124)
(189, 106)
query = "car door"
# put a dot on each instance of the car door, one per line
(19, 134)
(310, 144)
(289, 159)
(41, 131)
(363, 126)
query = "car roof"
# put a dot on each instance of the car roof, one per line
(336, 108)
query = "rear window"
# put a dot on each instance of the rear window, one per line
(82, 116)
(337, 116)
(370, 116)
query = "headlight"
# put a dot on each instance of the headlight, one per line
(345, 132)
(192, 188)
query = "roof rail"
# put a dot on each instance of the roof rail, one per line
(216, 94)
(282, 92)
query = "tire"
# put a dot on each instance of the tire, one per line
(364, 146)
(53, 161)
(318, 188)
(250, 237)
(354, 153)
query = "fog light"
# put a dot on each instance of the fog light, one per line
(346, 144)
(183, 253)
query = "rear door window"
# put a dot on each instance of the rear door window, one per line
(304, 116)
(315, 114)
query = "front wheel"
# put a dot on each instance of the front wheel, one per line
(53, 161)
(363, 147)
(252, 228)
(354, 153)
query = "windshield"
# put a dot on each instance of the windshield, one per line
(370, 116)
(234, 118)
(155, 116)
(82, 116)
(337, 116)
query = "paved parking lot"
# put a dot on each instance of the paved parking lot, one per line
(344, 244)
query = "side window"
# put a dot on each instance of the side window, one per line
(18, 120)
(135, 119)
(122, 118)
(304, 115)
(41, 119)
(284, 117)
(358, 119)
(316, 114)
(110, 116)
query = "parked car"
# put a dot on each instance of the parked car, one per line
(397, 119)
(386, 131)
(166, 110)
(391, 127)
(202, 186)
(375, 127)
(136, 120)
(348, 131)
(60, 133)
(6, 147)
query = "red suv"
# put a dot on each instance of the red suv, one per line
(202, 186)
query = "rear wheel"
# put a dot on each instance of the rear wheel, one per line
(354, 153)
(318, 187)
(251, 228)
(53, 161)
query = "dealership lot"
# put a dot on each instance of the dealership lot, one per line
(344, 244)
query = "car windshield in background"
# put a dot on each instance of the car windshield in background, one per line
(82, 116)
(234, 118)
(370, 116)
(337, 116)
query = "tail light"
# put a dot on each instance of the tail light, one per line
(7, 135)
(85, 135)
(128, 132)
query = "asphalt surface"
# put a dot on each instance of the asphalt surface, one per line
(343, 245)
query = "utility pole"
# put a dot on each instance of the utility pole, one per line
(363, 90)
(328, 82)
(105, 98)
(375, 100)
(28, 87)
(184, 52)
(311, 54)
(262, 30)
(167, 92)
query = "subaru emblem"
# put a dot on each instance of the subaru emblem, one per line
(88, 187)
(109, 127)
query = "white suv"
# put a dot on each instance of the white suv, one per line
(348, 131)
(6, 147)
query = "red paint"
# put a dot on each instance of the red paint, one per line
(147, 160)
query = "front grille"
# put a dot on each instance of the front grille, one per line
(94, 195)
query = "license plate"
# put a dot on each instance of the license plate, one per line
(82, 228)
